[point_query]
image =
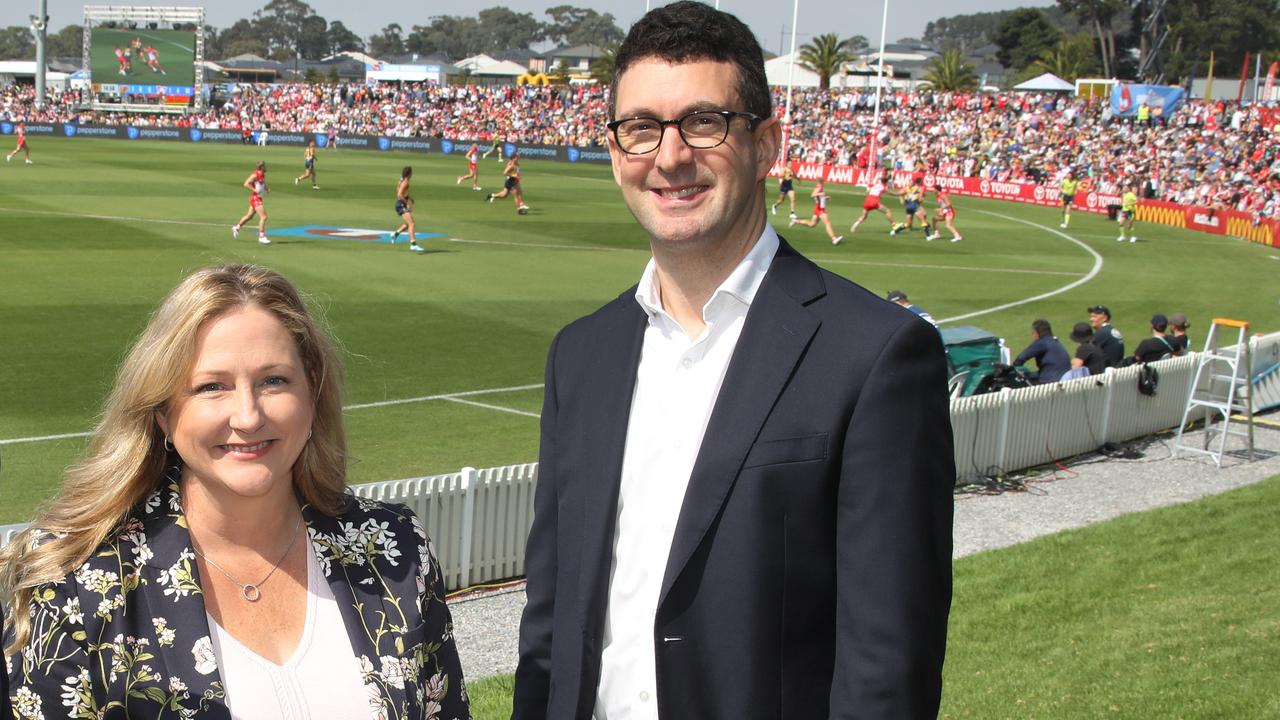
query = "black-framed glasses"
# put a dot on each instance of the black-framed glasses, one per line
(701, 129)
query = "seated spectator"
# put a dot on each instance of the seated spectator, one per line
(1180, 340)
(1156, 347)
(900, 298)
(1088, 355)
(1106, 337)
(1051, 358)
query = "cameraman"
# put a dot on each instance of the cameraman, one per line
(1051, 357)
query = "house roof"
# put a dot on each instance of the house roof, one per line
(576, 51)
(484, 65)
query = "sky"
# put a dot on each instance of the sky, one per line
(770, 19)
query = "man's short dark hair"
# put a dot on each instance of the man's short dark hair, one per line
(687, 31)
(1042, 328)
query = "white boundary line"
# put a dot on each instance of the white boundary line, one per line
(93, 216)
(595, 248)
(1097, 268)
(443, 396)
(451, 397)
(487, 406)
(943, 267)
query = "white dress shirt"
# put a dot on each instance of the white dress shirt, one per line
(676, 387)
(321, 680)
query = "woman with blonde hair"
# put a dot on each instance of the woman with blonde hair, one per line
(205, 558)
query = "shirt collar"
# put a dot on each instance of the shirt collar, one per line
(742, 283)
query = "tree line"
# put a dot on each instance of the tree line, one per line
(1121, 39)
(291, 29)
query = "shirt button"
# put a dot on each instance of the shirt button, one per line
(644, 696)
(687, 362)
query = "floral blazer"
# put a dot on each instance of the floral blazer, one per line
(125, 634)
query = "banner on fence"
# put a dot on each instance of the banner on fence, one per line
(385, 143)
(1235, 223)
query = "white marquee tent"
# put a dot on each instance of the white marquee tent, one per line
(1047, 81)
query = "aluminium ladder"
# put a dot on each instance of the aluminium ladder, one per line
(1221, 387)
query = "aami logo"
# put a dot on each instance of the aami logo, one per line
(384, 143)
(809, 171)
(574, 154)
(840, 174)
(196, 135)
(778, 167)
(985, 187)
(69, 130)
(133, 133)
(508, 149)
(6, 128)
(1203, 219)
(446, 147)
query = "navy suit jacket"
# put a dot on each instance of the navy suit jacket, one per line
(810, 571)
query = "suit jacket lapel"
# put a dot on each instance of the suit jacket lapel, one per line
(610, 379)
(778, 328)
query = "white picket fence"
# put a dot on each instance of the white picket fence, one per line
(479, 519)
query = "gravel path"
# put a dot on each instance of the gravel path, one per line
(1093, 488)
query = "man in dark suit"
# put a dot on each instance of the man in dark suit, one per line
(744, 500)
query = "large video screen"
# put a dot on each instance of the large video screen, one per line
(143, 61)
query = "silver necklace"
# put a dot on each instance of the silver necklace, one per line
(252, 591)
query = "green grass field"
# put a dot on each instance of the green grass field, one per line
(97, 231)
(1166, 614)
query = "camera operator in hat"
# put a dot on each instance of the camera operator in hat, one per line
(1106, 337)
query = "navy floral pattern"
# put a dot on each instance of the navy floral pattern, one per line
(125, 634)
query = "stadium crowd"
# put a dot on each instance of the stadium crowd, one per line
(1223, 154)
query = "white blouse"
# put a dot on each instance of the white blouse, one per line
(320, 680)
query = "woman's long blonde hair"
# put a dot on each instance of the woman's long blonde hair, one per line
(127, 459)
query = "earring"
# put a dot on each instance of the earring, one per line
(168, 444)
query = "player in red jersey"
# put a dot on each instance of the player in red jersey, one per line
(473, 154)
(123, 59)
(21, 132)
(257, 186)
(153, 59)
(946, 212)
(872, 203)
(820, 198)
